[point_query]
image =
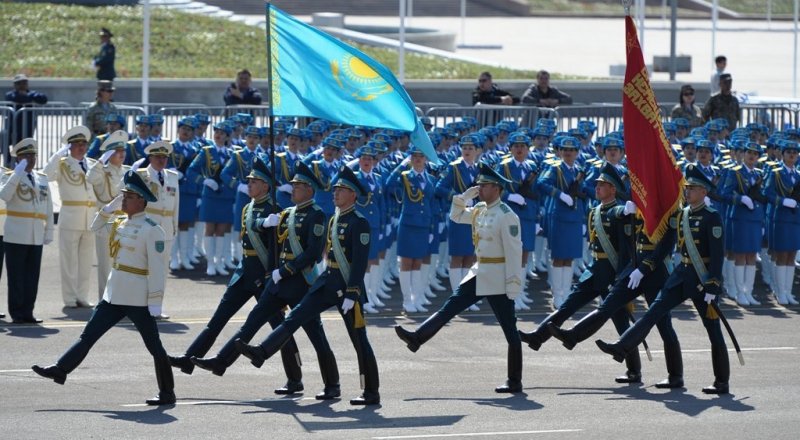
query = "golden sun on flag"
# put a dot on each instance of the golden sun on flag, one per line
(358, 78)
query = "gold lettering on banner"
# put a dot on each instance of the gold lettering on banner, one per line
(641, 95)
(639, 189)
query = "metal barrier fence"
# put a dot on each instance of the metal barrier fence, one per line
(490, 114)
(6, 129)
(172, 114)
(777, 116)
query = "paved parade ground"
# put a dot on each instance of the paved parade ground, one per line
(445, 390)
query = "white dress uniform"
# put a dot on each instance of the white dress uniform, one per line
(28, 208)
(136, 246)
(75, 241)
(165, 210)
(106, 180)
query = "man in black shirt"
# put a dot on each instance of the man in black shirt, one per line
(488, 93)
(541, 94)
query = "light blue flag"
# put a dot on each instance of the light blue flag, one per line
(314, 74)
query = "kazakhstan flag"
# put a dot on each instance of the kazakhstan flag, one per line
(314, 74)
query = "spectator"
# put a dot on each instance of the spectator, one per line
(724, 104)
(721, 63)
(104, 61)
(240, 92)
(686, 108)
(96, 115)
(488, 93)
(541, 94)
(21, 96)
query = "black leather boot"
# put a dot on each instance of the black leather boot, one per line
(674, 360)
(536, 338)
(255, 353)
(259, 353)
(634, 373)
(367, 398)
(54, 372)
(183, 362)
(587, 326)
(290, 356)
(213, 364)
(330, 377)
(722, 370)
(615, 350)
(514, 382)
(566, 337)
(424, 333)
(166, 384)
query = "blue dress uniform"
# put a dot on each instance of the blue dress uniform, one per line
(296, 262)
(234, 174)
(341, 283)
(609, 241)
(522, 176)
(245, 283)
(565, 226)
(135, 289)
(416, 222)
(698, 277)
(94, 150)
(326, 173)
(496, 275)
(457, 178)
(371, 205)
(216, 205)
(286, 164)
(183, 153)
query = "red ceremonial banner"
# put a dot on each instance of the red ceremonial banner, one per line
(656, 179)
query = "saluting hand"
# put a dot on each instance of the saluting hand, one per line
(470, 193)
(19, 170)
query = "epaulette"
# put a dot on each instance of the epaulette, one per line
(776, 169)
(170, 171)
(457, 161)
(405, 173)
(8, 172)
(506, 160)
(480, 205)
(132, 142)
(772, 163)
(677, 147)
(208, 147)
(150, 221)
(281, 154)
(359, 214)
(549, 155)
(681, 162)
(597, 164)
(504, 208)
(737, 168)
(762, 159)
(710, 209)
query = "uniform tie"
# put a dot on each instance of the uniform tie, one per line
(30, 177)
(83, 166)
(161, 178)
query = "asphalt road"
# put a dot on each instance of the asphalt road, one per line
(444, 390)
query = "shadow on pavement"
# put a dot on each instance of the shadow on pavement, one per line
(514, 402)
(154, 416)
(351, 418)
(30, 331)
(677, 400)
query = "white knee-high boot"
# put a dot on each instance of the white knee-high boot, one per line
(788, 284)
(227, 251)
(729, 279)
(780, 289)
(191, 253)
(174, 254)
(540, 262)
(444, 257)
(220, 243)
(424, 285)
(519, 304)
(566, 287)
(184, 243)
(455, 278)
(211, 267)
(405, 287)
(749, 282)
(741, 296)
(199, 240)
(238, 252)
(418, 288)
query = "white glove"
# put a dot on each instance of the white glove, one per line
(380, 236)
(707, 201)
(271, 221)
(48, 236)
(107, 155)
(566, 199)
(351, 163)
(789, 203)
(430, 238)
(63, 150)
(516, 198)
(180, 175)
(114, 205)
(538, 229)
(468, 203)
(583, 229)
(388, 229)
(630, 208)
(470, 193)
(441, 227)
(137, 164)
(511, 296)
(635, 278)
(154, 310)
(19, 170)
(211, 183)
(347, 305)
(199, 202)
(747, 201)
(242, 188)
(286, 187)
(276, 276)
(709, 297)
(406, 161)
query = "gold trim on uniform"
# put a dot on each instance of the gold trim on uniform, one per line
(492, 260)
(77, 203)
(25, 214)
(131, 269)
(161, 212)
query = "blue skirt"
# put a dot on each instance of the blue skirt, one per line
(412, 241)
(786, 236)
(565, 240)
(746, 237)
(460, 240)
(238, 208)
(216, 211)
(528, 235)
(374, 243)
(187, 208)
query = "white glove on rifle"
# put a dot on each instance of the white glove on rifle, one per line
(747, 201)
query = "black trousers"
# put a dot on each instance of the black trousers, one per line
(502, 307)
(104, 317)
(23, 263)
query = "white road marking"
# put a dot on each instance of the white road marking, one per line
(222, 402)
(476, 434)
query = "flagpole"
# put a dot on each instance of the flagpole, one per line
(273, 189)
